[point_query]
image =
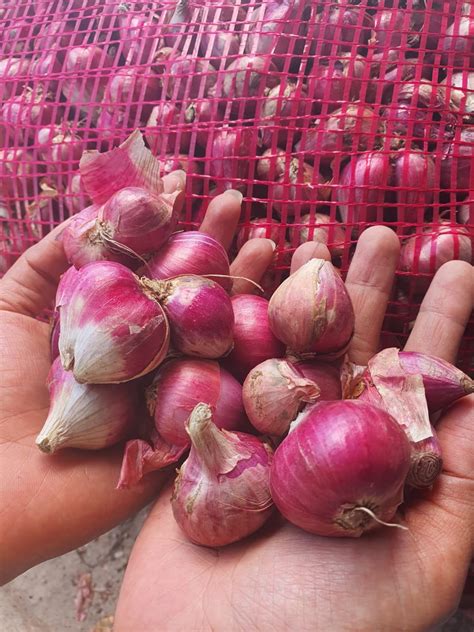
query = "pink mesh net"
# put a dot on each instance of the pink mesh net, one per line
(328, 116)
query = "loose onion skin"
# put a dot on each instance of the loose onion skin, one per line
(340, 459)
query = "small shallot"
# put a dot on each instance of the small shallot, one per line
(320, 228)
(221, 494)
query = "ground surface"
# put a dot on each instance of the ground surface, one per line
(87, 581)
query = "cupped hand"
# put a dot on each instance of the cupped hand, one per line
(52, 504)
(285, 579)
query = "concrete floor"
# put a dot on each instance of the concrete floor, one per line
(47, 597)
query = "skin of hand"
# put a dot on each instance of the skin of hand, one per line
(50, 504)
(285, 579)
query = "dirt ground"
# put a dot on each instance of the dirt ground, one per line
(85, 583)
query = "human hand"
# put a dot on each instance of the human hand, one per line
(50, 504)
(283, 578)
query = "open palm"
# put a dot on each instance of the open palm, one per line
(52, 504)
(285, 579)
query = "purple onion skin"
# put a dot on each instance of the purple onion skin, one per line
(342, 455)
(325, 375)
(443, 382)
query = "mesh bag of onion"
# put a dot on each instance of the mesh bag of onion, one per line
(327, 116)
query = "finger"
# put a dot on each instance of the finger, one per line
(251, 262)
(444, 312)
(369, 283)
(30, 285)
(222, 217)
(306, 252)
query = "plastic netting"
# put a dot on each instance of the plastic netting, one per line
(328, 116)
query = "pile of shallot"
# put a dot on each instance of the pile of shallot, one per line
(253, 400)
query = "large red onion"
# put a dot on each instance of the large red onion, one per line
(424, 253)
(254, 341)
(354, 127)
(341, 470)
(191, 252)
(362, 187)
(221, 494)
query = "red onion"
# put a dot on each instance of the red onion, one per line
(133, 222)
(83, 84)
(13, 76)
(189, 77)
(322, 229)
(179, 385)
(457, 161)
(112, 330)
(231, 151)
(415, 179)
(403, 120)
(76, 199)
(274, 27)
(274, 392)
(17, 36)
(192, 252)
(221, 494)
(339, 28)
(362, 187)
(341, 470)
(254, 341)
(325, 375)
(110, 123)
(387, 73)
(443, 382)
(201, 113)
(60, 146)
(191, 166)
(139, 35)
(426, 463)
(352, 128)
(459, 92)
(424, 253)
(86, 416)
(272, 165)
(43, 67)
(311, 311)
(217, 45)
(200, 314)
(130, 87)
(245, 78)
(30, 109)
(283, 105)
(161, 131)
(393, 28)
(458, 43)
(260, 228)
(335, 80)
(302, 186)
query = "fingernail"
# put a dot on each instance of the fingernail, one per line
(236, 194)
(272, 243)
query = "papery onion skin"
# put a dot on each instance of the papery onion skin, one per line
(325, 375)
(221, 494)
(111, 330)
(66, 286)
(426, 463)
(254, 341)
(200, 314)
(86, 416)
(190, 252)
(274, 392)
(311, 311)
(340, 457)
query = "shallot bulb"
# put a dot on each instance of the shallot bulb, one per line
(282, 112)
(322, 229)
(340, 28)
(415, 179)
(274, 392)
(19, 171)
(14, 72)
(341, 471)
(325, 375)
(178, 386)
(130, 87)
(254, 341)
(199, 312)
(426, 462)
(335, 80)
(272, 164)
(44, 68)
(82, 86)
(362, 187)
(221, 494)
(86, 416)
(139, 36)
(459, 92)
(203, 114)
(188, 77)
(457, 166)
(311, 311)
(246, 78)
(354, 127)
(61, 146)
(458, 42)
(260, 228)
(232, 148)
(424, 253)
(112, 330)
(192, 252)
(28, 110)
(300, 187)
(161, 131)
(133, 222)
